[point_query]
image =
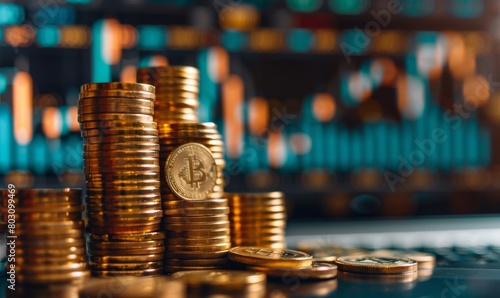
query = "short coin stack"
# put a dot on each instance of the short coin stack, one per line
(176, 92)
(122, 174)
(50, 243)
(257, 219)
(197, 228)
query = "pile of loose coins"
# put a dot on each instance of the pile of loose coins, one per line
(257, 219)
(45, 235)
(122, 173)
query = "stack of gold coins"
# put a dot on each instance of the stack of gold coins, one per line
(45, 235)
(122, 174)
(174, 135)
(176, 92)
(257, 219)
(197, 228)
(196, 224)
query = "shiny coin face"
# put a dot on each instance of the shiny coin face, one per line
(268, 257)
(191, 172)
(369, 264)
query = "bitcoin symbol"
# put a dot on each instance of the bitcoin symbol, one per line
(193, 172)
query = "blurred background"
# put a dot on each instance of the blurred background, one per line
(353, 108)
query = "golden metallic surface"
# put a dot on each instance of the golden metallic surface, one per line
(315, 271)
(424, 260)
(368, 264)
(191, 171)
(118, 86)
(280, 258)
(220, 278)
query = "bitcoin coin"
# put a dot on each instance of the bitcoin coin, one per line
(269, 257)
(368, 264)
(191, 171)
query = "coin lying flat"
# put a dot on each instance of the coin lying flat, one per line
(315, 271)
(369, 264)
(286, 258)
(191, 171)
(424, 260)
(220, 278)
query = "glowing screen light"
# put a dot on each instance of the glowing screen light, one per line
(304, 5)
(351, 7)
(152, 37)
(11, 14)
(48, 36)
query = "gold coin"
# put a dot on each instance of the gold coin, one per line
(119, 139)
(198, 241)
(368, 264)
(136, 169)
(217, 203)
(187, 126)
(380, 279)
(206, 248)
(125, 190)
(47, 268)
(120, 184)
(196, 211)
(118, 86)
(258, 217)
(115, 116)
(116, 95)
(51, 251)
(21, 217)
(116, 109)
(220, 278)
(173, 268)
(125, 266)
(121, 146)
(118, 132)
(118, 101)
(124, 229)
(117, 222)
(65, 242)
(118, 245)
(272, 245)
(154, 72)
(142, 272)
(198, 233)
(49, 233)
(196, 254)
(244, 203)
(129, 237)
(123, 198)
(127, 259)
(327, 259)
(56, 277)
(50, 225)
(196, 226)
(195, 219)
(120, 154)
(191, 101)
(124, 176)
(34, 260)
(315, 271)
(46, 192)
(255, 196)
(424, 260)
(129, 213)
(261, 232)
(128, 206)
(126, 251)
(196, 262)
(284, 258)
(109, 125)
(191, 171)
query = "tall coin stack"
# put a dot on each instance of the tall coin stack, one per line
(257, 219)
(122, 174)
(190, 242)
(49, 243)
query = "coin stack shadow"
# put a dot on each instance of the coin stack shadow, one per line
(190, 243)
(122, 174)
(257, 219)
(49, 230)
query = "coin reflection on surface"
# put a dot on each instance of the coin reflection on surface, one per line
(63, 290)
(300, 287)
(381, 282)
